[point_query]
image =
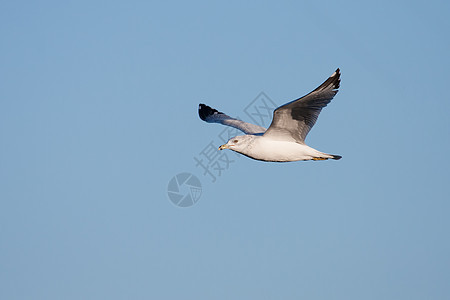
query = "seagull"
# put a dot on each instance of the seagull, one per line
(284, 140)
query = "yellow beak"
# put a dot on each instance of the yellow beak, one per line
(224, 146)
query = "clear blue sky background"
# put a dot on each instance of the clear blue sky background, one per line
(98, 111)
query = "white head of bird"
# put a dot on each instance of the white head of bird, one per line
(238, 143)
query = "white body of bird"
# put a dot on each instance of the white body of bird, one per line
(273, 150)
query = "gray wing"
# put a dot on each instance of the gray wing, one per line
(212, 115)
(295, 119)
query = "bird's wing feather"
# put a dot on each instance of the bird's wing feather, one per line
(295, 119)
(212, 115)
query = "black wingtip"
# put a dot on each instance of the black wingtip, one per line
(336, 157)
(205, 111)
(336, 78)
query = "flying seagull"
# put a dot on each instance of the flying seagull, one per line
(284, 140)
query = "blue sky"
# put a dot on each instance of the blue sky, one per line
(98, 111)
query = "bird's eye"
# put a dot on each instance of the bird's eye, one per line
(235, 141)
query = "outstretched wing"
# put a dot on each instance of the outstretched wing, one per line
(295, 119)
(212, 115)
